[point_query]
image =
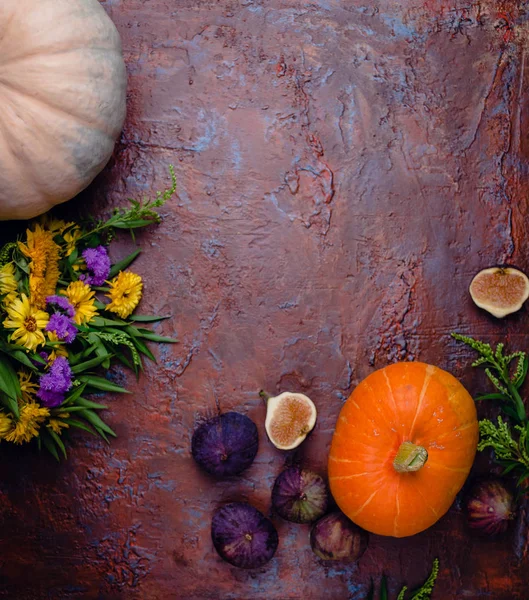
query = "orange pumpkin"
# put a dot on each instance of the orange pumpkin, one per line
(403, 446)
(62, 100)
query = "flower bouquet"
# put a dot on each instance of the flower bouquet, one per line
(65, 311)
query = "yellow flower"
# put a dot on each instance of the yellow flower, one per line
(125, 293)
(27, 387)
(28, 323)
(71, 238)
(9, 299)
(54, 225)
(43, 253)
(8, 283)
(56, 424)
(28, 423)
(5, 424)
(58, 350)
(81, 297)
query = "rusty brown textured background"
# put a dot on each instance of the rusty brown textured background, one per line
(344, 168)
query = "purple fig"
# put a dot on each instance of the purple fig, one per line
(225, 445)
(299, 495)
(335, 537)
(243, 536)
(490, 507)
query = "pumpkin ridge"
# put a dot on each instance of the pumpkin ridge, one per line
(397, 507)
(54, 108)
(447, 468)
(418, 490)
(380, 413)
(390, 390)
(430, 370)
(353, 475)
(365, 503)
(49, 52)
(23, 166)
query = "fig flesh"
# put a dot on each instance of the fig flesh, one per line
(225, 445)
(299, 495)
(243, 536)
(500, 290)
(290, 417)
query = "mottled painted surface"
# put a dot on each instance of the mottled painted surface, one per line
(343, 172)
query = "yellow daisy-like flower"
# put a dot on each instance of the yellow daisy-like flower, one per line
(125, 293)
(28, 323)
(59, 350)
(57, 424)
(27, 387)
(82, 298)
(8, 283)
(43, 253)
(5, 424)
(71, 238)
(9, 299)
(29, 421)
(54, 225)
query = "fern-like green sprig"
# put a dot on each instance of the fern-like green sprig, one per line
(423, 593)
(141, 213)
(6, 253)
(498, 370)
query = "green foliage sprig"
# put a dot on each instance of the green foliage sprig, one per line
(510, 446)
(423, 593)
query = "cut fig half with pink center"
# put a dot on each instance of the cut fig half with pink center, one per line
(290, 417)
(500, 290)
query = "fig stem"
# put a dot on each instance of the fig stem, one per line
(410, 458)
(265, 396)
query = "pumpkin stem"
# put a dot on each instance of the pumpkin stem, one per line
(410, 458)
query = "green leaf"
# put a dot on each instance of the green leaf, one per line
(133, 224)
(523, 374)
(73, 256)
(121, 356)
(371, 593)
(79, 425)
(102, 322)
(510, 468)
(147, 318)
(142, 347)
(383, 588)
(94, 420)
(158, 338)
(495, 396)
(89, 364)
(50, 446)
(22, 357)
(402, 593)
(58, 441)
(123, 264)
(9, 403)
(9, 380)
(89, 404)
(73, 396)
(99, 383)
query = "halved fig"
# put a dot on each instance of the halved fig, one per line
(290, 417)
(500, 290)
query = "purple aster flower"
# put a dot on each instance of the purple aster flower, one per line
(63, 303)
(98, 263)
(63, 327)
(55, 383)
